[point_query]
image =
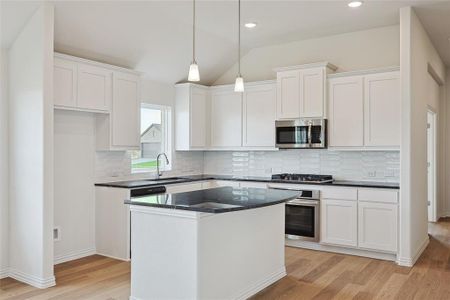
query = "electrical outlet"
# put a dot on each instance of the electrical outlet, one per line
(372, 174)
(57, 234)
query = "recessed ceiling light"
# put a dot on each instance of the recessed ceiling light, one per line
(355, 4)
(250, 25)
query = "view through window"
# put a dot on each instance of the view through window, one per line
(155, 139)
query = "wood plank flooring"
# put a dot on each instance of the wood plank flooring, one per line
(311, 275)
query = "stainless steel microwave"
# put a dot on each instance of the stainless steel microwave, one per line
(301, 133)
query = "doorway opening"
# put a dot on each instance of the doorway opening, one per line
(431, 162)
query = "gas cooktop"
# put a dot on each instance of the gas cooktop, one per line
(313, 178)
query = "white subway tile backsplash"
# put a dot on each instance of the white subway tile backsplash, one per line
(343, 165)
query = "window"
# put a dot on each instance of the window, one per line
(155, 138)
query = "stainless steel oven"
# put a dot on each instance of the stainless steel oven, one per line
(301, 133)
(302, 215)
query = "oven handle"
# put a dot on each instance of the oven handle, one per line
(284, 188)
(300, 202)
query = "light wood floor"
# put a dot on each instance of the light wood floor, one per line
(311, 275)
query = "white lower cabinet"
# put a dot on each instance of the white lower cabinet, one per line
(339, 222)
(377, 226)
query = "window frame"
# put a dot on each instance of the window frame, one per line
(166, 128)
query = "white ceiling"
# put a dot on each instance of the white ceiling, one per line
(155, 36)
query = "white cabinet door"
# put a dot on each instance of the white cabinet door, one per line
(346, 112)
(259, 116)
(94, 87)
(288, 93)
(226, 119)
(312, 93)
(382, 109)
(339, 222)
(125, 115)
(65, 83)
(198, 117)
(377, 226)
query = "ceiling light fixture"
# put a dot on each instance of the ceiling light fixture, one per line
(194, 74)
(239, 85)
(250, 25)
(355, 4)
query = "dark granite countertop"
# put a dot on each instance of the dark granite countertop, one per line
(216, 200)
(130, 184)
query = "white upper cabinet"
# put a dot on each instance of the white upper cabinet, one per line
(382, 114)
(364, 110)
(125, 115)
(259, 115)
(111, 92)
(301, 91)
(94, 87)
(288, 94)
(312, 92)
(191, 117)
(226, 118)
(346, 107)
(65, 83)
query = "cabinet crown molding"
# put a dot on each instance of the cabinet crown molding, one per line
(95, 63)
(308, 66)
(364, 72)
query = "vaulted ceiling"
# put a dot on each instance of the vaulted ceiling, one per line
(155, 36)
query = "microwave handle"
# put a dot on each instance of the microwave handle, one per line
(309, 134)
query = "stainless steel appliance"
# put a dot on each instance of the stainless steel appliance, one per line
(302, 215)
(301, 133)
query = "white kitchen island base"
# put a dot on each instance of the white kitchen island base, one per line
(181, 254)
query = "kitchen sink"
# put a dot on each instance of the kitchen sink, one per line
(165, 180)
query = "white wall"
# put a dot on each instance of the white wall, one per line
(359, 50)
(4, 168)
(416, 53)
(74, 192)
(31, 151)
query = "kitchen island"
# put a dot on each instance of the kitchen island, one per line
(221, 243)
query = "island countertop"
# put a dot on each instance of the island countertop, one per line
(216, 200)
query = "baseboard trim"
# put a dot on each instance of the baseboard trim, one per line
(341, 250)
(262, 284)
(410, 261)
(4, 273)
(113, 257)
(74, 255)
(38, 282)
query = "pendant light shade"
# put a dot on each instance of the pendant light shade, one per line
(194, 74)
(239, 85)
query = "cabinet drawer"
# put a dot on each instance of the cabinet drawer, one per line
(382, 196)
(340, 193)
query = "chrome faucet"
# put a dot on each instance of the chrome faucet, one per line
(158, 172)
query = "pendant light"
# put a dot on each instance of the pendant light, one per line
(194, 74)
(239, 85)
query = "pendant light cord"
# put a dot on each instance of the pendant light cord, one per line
(193, 31)
(239, 39)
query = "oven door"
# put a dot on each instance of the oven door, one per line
(302, 220)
